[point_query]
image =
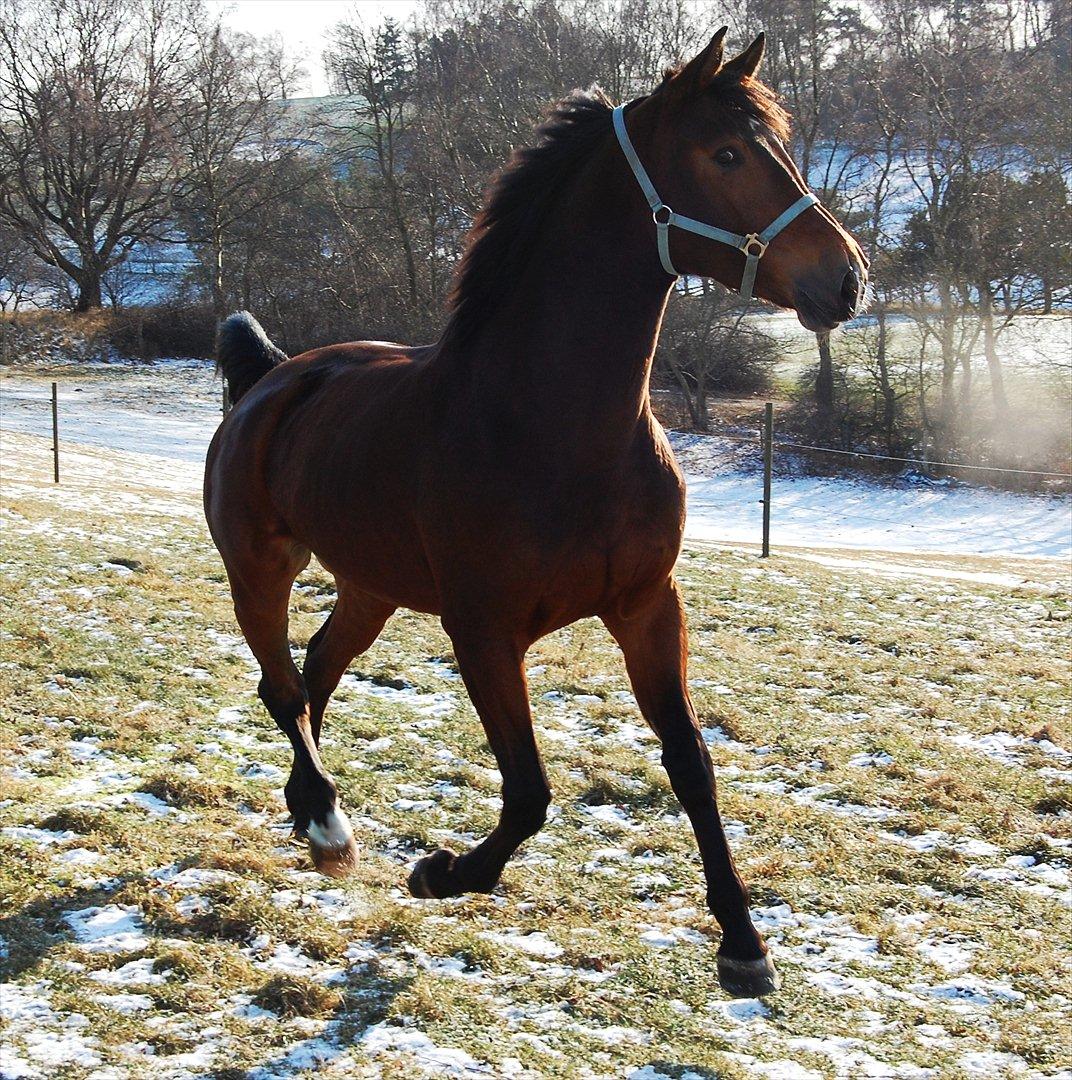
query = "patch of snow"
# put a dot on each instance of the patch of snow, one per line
(114, 928)
(842, 512)
(969, 992)
(851, 1060)
(536, 943)
(609, 815)
(988, 1063)
(1005, 747)
(867, 761)
(260, 770)
(933, 839)
(434, 705)
(78, 857)
(427, 1056)
(125, 1003)
(782, 1069)
(135, 973)
(48, 1039)
(952, 955)
(40, 837)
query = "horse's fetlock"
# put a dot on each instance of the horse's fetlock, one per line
(527, 813)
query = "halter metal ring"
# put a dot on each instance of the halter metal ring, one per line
(753, 240)
(658, 210)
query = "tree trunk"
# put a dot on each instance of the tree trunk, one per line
(219, 298)
(703, 420)
(993, 361)
(402, 225)
(695, 397)
(89, 290)
(889, 398)
(949, 355)
(824, 381)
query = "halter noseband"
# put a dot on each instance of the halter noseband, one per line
(752, 246)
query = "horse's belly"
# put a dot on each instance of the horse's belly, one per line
(378, 552)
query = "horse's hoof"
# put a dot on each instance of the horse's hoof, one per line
(428, 881)
(747, 978)
(331, 845)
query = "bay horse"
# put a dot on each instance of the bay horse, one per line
(511, 478)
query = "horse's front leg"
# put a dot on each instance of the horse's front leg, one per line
(492, 666)
(654, 642)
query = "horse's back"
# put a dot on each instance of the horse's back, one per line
(314, 441)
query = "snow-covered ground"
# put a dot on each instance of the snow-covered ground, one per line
(901, 515)
(170, 410)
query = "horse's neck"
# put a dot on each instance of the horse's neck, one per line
(569, 351)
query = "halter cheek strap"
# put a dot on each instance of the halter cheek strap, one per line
(753, 245)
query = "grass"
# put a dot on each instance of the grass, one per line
(893, 761)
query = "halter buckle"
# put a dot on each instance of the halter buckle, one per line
(658, 210)
(750, 241)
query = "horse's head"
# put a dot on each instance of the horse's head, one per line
(712, 141)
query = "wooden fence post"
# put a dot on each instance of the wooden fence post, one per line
(768, 461)
(55, 436)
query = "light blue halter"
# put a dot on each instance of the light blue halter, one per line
(752, 246)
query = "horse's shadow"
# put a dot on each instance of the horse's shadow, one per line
(32, 932)
(39, 928)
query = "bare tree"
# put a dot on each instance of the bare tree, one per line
(232, 130)
(708, 347)
(18, 272)
(373, 68)
(86, 104)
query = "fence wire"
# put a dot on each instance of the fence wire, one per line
(757, 440)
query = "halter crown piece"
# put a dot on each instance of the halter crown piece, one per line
(752, 246)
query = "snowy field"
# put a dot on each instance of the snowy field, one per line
(890, 733)
(171, 410)
(894, 761)
(1039, 344)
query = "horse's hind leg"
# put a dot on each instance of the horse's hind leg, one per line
(353, 625)
(492, 667)
(260, 585)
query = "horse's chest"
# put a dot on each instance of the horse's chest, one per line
(544, 544)
(596, 544)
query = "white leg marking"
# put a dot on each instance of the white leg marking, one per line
(335, 832)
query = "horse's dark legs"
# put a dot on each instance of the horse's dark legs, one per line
(261, 586)
(353, 625)
(654, 642)
(495, 678)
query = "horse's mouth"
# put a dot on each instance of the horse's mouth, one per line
(813, 316)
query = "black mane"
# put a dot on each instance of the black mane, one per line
(517, 205)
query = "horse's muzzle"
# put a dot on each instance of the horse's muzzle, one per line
(826, 302)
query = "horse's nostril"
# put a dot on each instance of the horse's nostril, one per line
(850, 289)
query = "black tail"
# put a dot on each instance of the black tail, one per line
(243, 353)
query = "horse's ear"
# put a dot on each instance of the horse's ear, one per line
(699, 72)
(744, 66)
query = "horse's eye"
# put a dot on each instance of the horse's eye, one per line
(727, 156)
